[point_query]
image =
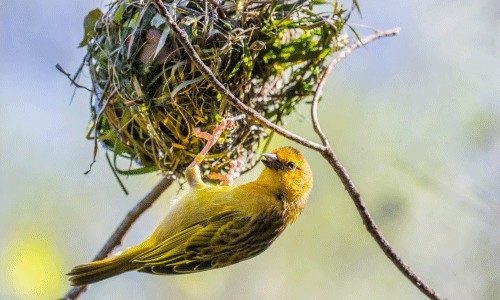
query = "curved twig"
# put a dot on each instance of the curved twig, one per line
(346, 180)
(324, 149)
(117, 236)
(319, 89)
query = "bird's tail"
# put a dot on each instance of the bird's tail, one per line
(102, 269)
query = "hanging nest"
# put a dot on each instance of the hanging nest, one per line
(148, 96)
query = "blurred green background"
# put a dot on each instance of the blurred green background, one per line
(415, 119)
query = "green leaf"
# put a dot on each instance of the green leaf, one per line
(235, 69)
(89, 25)
(157, 21)
(131, 23)
(161, 42)
(119, 14)
(356, 5)
(355, 33)
(185, 84)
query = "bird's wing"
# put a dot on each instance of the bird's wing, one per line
(205, 245)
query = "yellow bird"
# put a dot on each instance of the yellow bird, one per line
(216, 226)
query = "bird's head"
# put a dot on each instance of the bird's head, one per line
(288, 174)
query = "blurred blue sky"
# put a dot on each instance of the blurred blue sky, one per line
(414, 118)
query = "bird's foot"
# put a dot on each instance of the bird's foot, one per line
(233, 173)
(211, 139)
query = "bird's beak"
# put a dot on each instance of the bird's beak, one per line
(271, 161)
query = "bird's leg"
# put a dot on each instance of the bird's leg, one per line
(193, 171)
(234, 166)
(211, 138)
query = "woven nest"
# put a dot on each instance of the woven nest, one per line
(148, 95)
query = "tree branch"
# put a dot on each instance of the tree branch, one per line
(330, 156)
(373, 229)
(319, 89)
(116, 238)
(324, 149)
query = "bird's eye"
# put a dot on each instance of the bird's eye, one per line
(291, 166)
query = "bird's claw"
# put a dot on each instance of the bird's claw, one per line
(211, 139)
(232, 174)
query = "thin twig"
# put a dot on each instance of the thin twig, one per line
(373, 229)
(72, 79)
(372, 37)
(324, 149)
(319, 89)
(116, 238)
(330, 156)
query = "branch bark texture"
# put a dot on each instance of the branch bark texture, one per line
(351, 189)
(116, 238)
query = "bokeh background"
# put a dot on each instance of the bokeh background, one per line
(415, 119)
